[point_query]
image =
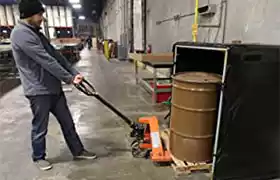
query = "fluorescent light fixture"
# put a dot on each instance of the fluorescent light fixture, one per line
(77, 6)
(82, 17)
(74, 1)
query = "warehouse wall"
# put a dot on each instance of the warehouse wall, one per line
(115, 24)
(252, 21)
(85, 27)
(115, 19)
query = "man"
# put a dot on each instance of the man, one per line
(41, 71)
(89, 42)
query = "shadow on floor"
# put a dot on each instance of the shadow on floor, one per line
(105, 149)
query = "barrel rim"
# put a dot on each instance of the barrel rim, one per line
(197, 82)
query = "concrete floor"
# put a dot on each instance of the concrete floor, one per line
(101, 130)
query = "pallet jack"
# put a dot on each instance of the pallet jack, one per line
(147, 142)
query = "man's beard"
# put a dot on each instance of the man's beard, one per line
(37, 25)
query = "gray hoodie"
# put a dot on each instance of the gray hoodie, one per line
(41, 67)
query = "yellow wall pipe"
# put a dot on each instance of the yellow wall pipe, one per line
(195, 24)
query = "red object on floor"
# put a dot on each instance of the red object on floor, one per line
(149, 49)
(162, 96)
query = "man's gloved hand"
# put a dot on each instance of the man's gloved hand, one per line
(78, 79)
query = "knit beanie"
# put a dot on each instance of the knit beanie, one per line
(28, 8)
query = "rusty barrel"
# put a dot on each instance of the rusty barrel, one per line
(193, 115)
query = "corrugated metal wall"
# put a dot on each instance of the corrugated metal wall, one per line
(3, 17)
(57, 16)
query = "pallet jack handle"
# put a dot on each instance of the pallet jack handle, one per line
(88, 89)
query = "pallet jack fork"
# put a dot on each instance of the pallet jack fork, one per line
(147, 141)
(151, 143)
(152, 140)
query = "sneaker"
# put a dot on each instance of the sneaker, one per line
(86, 155)
(44, 165)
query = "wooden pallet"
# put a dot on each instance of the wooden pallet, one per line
(180, 167)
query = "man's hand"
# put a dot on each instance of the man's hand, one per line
(78, 79)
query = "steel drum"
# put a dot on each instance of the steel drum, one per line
(193, 115)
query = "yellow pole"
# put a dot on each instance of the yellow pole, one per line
(195, 24)
(106, 49)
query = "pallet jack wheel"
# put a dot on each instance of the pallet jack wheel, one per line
(137, 152)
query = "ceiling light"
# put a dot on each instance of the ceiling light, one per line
(74, 1)
(82, 17)
(77, 6)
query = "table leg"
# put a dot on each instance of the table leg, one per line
(136, 71)
(155, 86)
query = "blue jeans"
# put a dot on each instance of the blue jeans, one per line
(41, 107)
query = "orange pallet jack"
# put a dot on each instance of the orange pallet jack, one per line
(151, 144)
(147, 142)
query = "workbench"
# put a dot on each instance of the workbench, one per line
(156, 62)
(69, 50)
(8, 68)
